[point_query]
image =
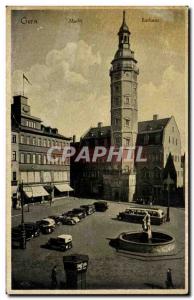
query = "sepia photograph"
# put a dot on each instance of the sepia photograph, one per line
(97, 150)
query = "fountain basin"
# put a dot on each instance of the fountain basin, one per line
(161, 243)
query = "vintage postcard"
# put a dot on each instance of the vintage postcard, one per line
(97, 143)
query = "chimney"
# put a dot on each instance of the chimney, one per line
(155, 117)
(74, 138)
(100, 124)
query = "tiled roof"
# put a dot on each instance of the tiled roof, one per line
(152, 125)
(94, 132)
(151, 132)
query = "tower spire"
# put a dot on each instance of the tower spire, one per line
(124, 17)
(124, 27)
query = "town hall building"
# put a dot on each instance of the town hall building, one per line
(122, 181)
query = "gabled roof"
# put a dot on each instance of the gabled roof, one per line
(152, 125)
(151, 132)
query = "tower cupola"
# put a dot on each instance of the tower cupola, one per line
(124, 35)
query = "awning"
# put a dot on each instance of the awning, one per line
(35, 191)
(63, 187)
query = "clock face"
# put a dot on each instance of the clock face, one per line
(26, 109)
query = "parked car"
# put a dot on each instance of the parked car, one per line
(72, 214)
(62, 242)
(80, 211)
(67, 220)
(46, 225)
(101, 205)
(89, 208)
(56, 218)
(76, 219)
(31, 229)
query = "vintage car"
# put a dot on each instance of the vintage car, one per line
(72, 214)
(67, 220)
(31, 230)
(80, 211)
(56, 218)
(89, 208)
(101, 206)
(136, 215)
(62, 242)
(46, 225)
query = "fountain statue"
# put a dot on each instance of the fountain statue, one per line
(146, 241)
(146, 225)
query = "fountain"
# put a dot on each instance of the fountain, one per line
(146, 241)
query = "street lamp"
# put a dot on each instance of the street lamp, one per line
(51, 192)
(23, 231)
(29, 187)
(168, 181)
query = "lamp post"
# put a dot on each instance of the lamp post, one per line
(52, 193)
(168, 182)
(31, 198)
(23, 231)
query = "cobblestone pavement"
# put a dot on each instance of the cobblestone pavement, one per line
(108, 269)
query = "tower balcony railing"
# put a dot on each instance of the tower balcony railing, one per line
(124, 68)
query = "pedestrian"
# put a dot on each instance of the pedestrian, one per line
(54, 277)
(169, 282)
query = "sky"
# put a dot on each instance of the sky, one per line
(68, 63)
